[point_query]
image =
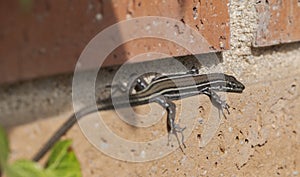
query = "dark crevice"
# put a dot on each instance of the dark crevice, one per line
(259, 145)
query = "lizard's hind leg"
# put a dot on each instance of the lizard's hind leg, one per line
(171, 126)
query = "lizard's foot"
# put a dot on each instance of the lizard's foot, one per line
(177, 129)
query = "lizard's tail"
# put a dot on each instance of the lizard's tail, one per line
(62, 130)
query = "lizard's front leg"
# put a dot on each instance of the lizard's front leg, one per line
(217, 101)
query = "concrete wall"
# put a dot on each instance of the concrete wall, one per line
(259, 138)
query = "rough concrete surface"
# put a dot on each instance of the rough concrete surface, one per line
(259, 138)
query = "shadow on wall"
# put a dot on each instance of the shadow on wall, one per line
(257, 51)
(25, 102)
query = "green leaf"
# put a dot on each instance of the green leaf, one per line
(58, 152)
(62, 161)
(4, 149)
(25, 168)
